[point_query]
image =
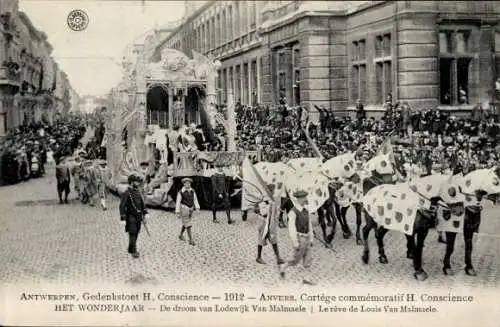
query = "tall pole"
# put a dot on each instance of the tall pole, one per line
(231, 121)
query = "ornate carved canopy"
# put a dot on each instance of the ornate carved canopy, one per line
(178, 69)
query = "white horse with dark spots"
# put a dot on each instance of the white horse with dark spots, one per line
(440, 191)
(477, 186)
(377, 171)
(396, 207)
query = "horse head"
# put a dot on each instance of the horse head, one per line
(381, 168)
(478, 184)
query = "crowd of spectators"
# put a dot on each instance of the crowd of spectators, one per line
(40, 143)
(433, 140)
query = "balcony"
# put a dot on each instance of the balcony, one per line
(9, 77)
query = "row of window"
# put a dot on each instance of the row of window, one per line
(455, 64)
(383, 48)
(238, 18)
(243, 79)
(287, 74)
(382, 67)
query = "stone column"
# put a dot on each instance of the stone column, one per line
(231, 122)
(486, 63)
(170, 107)
(249, 84)
(289, 74)
(242, 84)
(229, 83)
(211, 97)
(258, 72)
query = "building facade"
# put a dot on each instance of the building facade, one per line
(431, 54)
(29, 75)
(74, 101)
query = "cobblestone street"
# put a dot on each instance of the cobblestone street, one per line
(42, 241)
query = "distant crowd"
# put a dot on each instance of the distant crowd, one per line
(27, 149)
(433, 140)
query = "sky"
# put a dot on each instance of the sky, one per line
(91, 57)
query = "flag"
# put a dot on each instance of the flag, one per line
(254, 188)
(387, 149)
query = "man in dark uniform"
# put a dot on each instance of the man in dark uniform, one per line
(220, 194)
(132, 211)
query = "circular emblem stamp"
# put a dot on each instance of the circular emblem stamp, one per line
(78, 20)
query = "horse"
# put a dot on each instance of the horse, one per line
(377, 171)
(441, 191)
(475, 186)
(304, 173)
(397, 207)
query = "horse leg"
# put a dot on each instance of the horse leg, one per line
(379, 235)
(322, 223)
(370, 224)
(359, 213)
(410, 246)
(343, 222)
(420, 274)
(329, 213)
(468, 237)
(450, 246)
(441, 239)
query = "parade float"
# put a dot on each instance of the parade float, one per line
(161, 91)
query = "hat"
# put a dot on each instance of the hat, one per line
(144, 163)
(187, 179)
(300, 194)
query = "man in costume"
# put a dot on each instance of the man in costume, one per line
(186, 204)
(63, 176)
(132, 211)
(103, 176)
(220, 194)
(268, 212)
(301, 233)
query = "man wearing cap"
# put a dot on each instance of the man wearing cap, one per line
(132, 211)
(186, 204)
(268, 212)
(220, 194)
(301, 233)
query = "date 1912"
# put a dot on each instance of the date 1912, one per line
(234, 297)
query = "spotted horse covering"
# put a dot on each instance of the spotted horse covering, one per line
(481, 179)
(394, 206)
(450, 214)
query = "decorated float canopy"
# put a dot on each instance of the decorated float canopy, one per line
(175, 66)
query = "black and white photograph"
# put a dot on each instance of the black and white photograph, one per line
(185, 163)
